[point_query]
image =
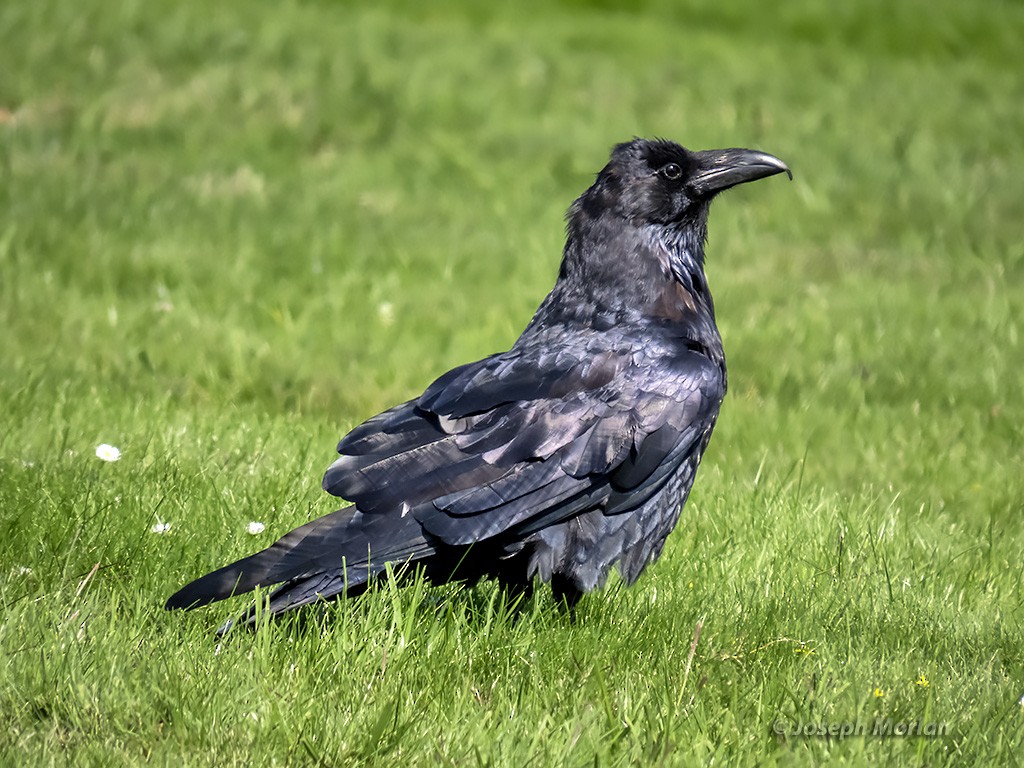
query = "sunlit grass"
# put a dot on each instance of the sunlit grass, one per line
(229, 234)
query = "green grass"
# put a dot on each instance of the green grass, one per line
(230, 232)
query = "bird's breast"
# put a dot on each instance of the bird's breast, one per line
(674, 303)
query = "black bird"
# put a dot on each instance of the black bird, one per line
(572, 452)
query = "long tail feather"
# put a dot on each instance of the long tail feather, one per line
(319, 560)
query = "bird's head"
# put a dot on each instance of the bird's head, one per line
(635, 238)
(661, 182)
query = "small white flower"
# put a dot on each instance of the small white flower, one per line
(161, 527)
(386, 313)
(1021, 702)
(255, 528)
(107, 452)
(23, 570)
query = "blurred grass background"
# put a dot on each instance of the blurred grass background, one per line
(231, 232)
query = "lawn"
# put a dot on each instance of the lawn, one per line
(231, 232)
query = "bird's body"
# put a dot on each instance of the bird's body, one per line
(569, 454)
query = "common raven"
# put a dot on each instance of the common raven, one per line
(572, 452)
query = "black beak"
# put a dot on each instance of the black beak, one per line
(719, 169)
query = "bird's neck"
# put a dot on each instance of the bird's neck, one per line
(617, 274)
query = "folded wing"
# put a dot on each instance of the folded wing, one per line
(528, 439)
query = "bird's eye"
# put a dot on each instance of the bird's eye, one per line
(671, 171)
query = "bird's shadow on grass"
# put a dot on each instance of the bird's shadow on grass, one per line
(407, 599)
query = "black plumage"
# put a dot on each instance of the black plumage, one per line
(569, 454)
